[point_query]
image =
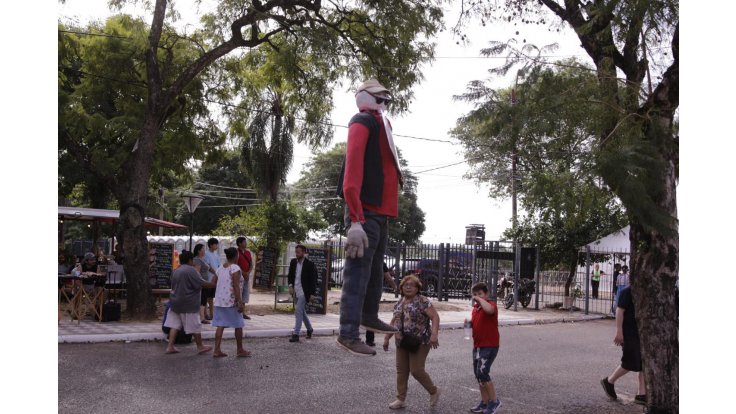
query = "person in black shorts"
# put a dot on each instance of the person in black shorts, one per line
(627, 336)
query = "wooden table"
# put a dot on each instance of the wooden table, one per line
(83, 298)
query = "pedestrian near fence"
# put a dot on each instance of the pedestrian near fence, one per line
(486, 340)
(412, 316)
(302, 279)
(627, 337)
(595, 279)
(388, 278)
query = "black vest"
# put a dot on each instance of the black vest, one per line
(371, 191)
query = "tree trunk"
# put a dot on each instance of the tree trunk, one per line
(133, 197)
(571, 275)
(654, 274)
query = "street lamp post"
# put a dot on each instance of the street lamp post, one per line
(191, 201)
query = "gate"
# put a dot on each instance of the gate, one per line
(450, 270)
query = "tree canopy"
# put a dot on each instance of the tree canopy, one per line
(636, 151)
(553, 129)
(318, 184)
(102, 99)
(386, 40)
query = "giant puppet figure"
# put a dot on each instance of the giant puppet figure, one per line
(369, 183)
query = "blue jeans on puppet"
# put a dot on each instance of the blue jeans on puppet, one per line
(363, 278)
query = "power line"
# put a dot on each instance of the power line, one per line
(439, 168)
(96, 34)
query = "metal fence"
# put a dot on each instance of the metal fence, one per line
(449, 270)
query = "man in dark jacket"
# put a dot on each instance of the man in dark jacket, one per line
(302, 282)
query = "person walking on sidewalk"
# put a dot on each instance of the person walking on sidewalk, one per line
(614, 288)
(245, 261)
(370, 336)
(229, 303)
(412, 316)
(204, 270)
(212, 257)
(186, 291)
(627, 337)
(622, 282)
(486, 339)
(369, 183)
(302, 282)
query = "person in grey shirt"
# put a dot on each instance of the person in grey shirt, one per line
(200, 263)
(186, 293)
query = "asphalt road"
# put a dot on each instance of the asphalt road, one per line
(552, 368)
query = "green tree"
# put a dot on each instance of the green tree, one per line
(101, 98)
(381, 39)
(317, 187)
(552, 133)
(226, 188)
(318, 184)
(636, 151)
(277, 223)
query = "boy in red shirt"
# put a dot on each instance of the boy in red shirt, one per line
(485, 347)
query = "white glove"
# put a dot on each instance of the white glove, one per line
(357, 240)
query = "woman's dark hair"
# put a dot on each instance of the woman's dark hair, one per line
(197, 248)
(185, 257)
(231, 253)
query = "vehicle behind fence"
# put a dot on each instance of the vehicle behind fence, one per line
(450, 270)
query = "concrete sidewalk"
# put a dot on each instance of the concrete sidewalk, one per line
(282, 324)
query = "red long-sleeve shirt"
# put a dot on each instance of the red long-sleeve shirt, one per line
(358, 135)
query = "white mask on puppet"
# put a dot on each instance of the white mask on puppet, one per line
(366, 101)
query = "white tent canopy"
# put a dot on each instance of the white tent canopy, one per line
(617, 242)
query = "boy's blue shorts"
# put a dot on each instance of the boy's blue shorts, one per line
(482, 360)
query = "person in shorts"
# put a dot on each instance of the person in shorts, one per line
(627, 337)
(186, 291)
(485, 347)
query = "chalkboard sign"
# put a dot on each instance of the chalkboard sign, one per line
(321, 260)
(160, 258)
(266, 259)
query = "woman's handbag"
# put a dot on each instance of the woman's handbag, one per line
(408, 341)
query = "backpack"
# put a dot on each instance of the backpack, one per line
(181, 336)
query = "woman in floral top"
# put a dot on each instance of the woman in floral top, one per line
(413, 314)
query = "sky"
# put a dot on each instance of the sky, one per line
(705, 191)
(449, 201)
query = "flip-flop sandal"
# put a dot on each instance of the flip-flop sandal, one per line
(220, 355)
(204, 351)
(206, 322)
(246, 354)
(176, 351)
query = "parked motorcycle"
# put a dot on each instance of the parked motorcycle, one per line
(526, 289)
(503, 287)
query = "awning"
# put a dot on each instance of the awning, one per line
(108, 216)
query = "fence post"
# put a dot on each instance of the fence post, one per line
(441, 272)
(399, 268)
(517, 267)
(536, 272)
(587, 278)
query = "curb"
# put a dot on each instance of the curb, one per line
(286, 332)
